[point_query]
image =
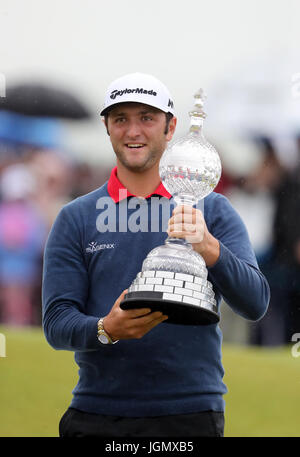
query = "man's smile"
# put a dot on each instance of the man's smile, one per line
(135, 145)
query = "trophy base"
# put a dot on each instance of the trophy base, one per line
(179, 312)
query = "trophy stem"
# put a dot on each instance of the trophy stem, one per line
(187, 200)
(176, 241)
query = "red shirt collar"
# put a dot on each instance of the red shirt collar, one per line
(118, 192)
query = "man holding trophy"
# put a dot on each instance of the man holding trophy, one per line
(141, 311)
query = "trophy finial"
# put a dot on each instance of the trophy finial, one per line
(197, 110)
(200, 94)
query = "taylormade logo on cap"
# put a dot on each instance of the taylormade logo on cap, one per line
(116, 93)
(138, 88)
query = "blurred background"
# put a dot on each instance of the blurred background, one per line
(56, 60)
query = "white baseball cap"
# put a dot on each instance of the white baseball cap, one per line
(139, 88)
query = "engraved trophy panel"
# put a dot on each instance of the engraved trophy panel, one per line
(173, 278)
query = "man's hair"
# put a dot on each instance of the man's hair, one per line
(168, 119)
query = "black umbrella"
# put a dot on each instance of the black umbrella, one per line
(37, 99)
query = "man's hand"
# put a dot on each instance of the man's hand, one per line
(188, 222)
(133, 323)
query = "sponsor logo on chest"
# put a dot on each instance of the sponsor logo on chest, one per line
(94, 247)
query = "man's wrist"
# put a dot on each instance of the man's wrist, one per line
(211, 253)
(102, 334)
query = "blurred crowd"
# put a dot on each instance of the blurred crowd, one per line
(37, 178)
(33, 189)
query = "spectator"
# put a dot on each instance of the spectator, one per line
(286, 285)
(53, 179)
(255, 197)
(22, 236)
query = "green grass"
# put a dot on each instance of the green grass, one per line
(264, 394)
(36, 384)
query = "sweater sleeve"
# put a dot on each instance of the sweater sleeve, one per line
(236, 274)
(65, 289)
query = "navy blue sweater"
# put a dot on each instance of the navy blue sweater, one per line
(174, 369)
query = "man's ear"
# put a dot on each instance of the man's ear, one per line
(105, 123)
(172, 127)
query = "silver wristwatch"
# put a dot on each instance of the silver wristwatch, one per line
(103, 337)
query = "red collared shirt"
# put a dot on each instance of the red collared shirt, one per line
(118, 192)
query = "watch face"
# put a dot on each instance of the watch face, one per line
(103, 338)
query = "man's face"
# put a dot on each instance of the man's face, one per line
(137, 134)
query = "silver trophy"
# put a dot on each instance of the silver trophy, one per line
(174, 276)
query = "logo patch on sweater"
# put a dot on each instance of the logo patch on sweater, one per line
(94, 247)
